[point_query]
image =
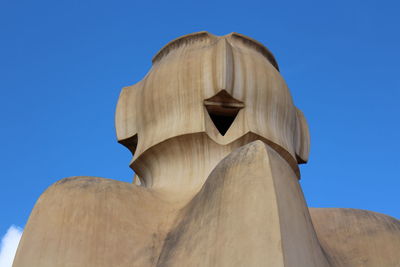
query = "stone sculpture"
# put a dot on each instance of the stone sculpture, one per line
(216, 143)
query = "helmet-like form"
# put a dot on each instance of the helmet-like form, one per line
(224, 86)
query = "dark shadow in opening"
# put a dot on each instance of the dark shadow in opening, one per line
(130, 143)
(222, 123)
(223, 109)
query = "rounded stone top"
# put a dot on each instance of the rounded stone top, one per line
(198, 36)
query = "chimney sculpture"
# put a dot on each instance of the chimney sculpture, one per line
(216, 142)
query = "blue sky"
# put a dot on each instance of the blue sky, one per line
(63, 63)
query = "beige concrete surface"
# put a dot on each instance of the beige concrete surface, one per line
(216, 142)
(358, 238)
(250, 212)
(90, 221)
(169, 101)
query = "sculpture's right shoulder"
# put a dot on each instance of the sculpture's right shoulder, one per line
(85, 189)
(89, 183)
(79, 217)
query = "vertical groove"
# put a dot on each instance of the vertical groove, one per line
(224, 66)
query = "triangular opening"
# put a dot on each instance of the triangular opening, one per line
(130, 143)
(223, 109)
(222, 123)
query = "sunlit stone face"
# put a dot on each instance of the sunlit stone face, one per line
(222, 86)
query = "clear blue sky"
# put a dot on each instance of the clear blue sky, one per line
(63, 63)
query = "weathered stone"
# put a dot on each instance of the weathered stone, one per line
(216, 143)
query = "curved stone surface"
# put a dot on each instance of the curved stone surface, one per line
(250, 212)
(90, 221)
(169, 101)
(357, 238)
(216, 142)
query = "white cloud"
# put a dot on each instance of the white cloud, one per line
(9, 245)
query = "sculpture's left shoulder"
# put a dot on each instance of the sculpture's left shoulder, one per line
(353, 237)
